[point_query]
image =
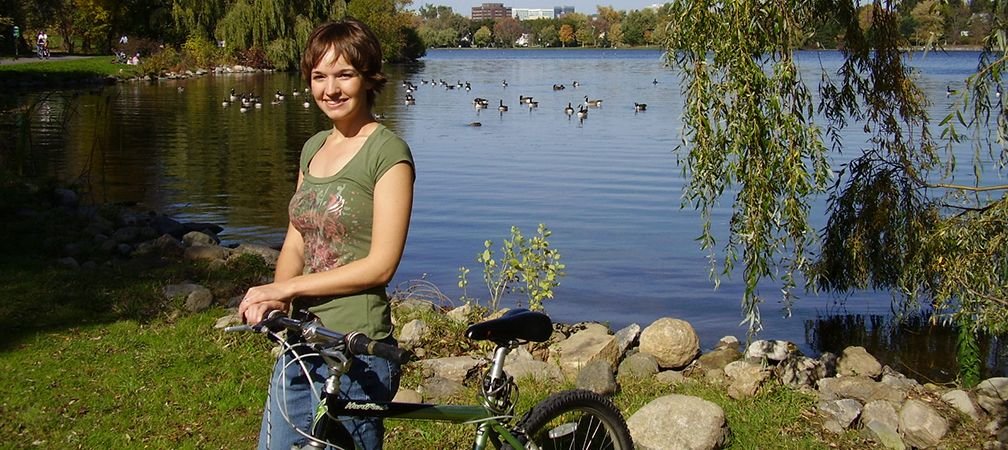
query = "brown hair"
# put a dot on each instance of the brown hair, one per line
(356, 42)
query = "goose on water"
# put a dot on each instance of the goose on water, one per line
(501, 106)
(595, 103)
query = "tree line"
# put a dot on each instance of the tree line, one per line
(272, 32)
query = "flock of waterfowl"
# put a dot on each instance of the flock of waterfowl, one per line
(580, 110)
(247, 101)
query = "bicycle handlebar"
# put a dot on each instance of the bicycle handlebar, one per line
(356, 343)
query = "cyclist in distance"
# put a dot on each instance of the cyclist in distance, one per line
(348, 221)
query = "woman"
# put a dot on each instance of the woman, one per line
(348, 222)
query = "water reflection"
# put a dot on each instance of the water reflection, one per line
(914, 346)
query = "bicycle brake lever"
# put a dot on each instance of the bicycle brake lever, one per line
(238, 328)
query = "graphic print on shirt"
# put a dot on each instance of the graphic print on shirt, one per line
(317, 213)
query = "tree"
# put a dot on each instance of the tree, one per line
(895, 219)
(547, 36)
(566, 34)
(507, 31)
(615, 35)
(482, 37)
(638, 25)
(930, 23)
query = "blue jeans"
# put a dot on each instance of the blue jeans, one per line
(291, 401)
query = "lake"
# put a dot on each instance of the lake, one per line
(608, 188)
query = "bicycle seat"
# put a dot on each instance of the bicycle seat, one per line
(515, 324)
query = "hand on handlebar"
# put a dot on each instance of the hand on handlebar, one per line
(259, 301)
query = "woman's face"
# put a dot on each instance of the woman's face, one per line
(340, 91)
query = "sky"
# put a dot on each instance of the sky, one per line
(464, 7)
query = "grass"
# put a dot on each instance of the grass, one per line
(93, 358)
(60, 71)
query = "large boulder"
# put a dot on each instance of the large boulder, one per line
(678, 422)
(594, 343)
(673, 342)
(856, 361)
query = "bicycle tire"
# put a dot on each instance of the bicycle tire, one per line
(576, 419)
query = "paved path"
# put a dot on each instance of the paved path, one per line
(31, 58)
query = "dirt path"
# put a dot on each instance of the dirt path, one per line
(31, 58)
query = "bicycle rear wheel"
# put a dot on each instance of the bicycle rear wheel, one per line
(576, 419)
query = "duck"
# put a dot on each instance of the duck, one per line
(410, 100)
(480, 103)
(180, 89)
(278, 96)
(243, 108)
(558, 87)
(306, 104)
(595, 103)
(504, 83)
(576, 84)
(226, 102)
(524, 99)
(532, 104)
(501, 106)
(569, 110)
(655, 81)
(638, 107)
(468, 87)
(233, 97)
(582, 113)
(949, 91)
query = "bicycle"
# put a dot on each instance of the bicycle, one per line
(572, 419)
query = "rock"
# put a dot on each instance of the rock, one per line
(195, 298)
(206, 253)
(921, 425)
(961, 401)
(728, 342)
(625, 338)
(855, 361)
(226, 321)
(673, 342)
(772, 350)
(670, 377)
(597, 376)
(885, 435)
(992, 396)
(638, 365)
(590, 344)
(198, 238)
(461, 314)
(800, 372)
(407, 396)
(68, 263)
(454, 368)
(269, 255)
(880, 411)
(840, 414)
(745, 378)
(678, 422)
(719, 357)
(413, 333)
(437, 389)
(859, 388)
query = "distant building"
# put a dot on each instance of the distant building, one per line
(560, 11)
(532, 14)
(490, 11)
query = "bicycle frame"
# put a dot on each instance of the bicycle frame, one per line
(489, 427)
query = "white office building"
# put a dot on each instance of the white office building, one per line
(531, 14)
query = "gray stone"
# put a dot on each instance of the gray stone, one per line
(961, 401)
(678, 422)
(885, 434)
(198, 238)
(590, 344)
(626, 337)
(407, 396)
(195, 298)
(670, 377)
(439, 389)
(800, 372)
(597, 376)
(413, 333)
(206, 253)
(840, 414)
(461, 314)
(772, 350)
(992, 396)
(880, 411)
(860, 388)
(126, 234)
(673, 342)
(269, 255)
(719, 357)
(921, 425)
(455, 368)
(856, 361)
(638, 365)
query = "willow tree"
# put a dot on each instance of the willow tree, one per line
(279, 27)
(896, 220)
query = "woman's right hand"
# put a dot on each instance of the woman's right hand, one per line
(260, 300)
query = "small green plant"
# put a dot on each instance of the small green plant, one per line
(527, 265)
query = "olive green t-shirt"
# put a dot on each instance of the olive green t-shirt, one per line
(334, 215)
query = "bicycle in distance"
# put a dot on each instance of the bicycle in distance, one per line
(571, 419)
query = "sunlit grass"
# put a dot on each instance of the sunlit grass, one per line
(59, 70)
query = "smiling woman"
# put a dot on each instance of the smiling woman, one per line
(345, 237)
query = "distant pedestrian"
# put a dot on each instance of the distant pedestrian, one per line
(123, 40)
